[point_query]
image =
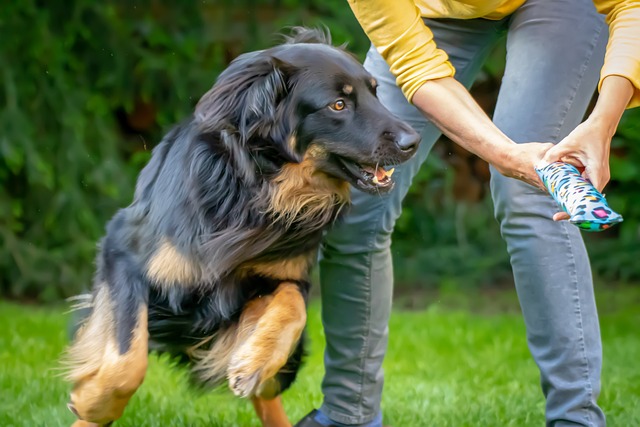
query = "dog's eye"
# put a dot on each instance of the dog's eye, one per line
(339, 105)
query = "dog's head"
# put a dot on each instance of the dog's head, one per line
(307, 98)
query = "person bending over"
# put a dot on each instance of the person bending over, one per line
(425, 55)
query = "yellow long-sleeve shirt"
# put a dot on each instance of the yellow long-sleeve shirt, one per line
(396, 29)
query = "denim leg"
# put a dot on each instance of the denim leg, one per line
(355, 270)
(555, 50)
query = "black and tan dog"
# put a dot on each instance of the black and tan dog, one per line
(211, 260)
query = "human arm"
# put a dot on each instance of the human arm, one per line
(623, 50)
(425, 75)
(449, 105)
(587, 147)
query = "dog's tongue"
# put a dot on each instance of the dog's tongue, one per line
(382, 174)
(379, 173)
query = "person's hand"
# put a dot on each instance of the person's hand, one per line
(520, 162)
(586, 148)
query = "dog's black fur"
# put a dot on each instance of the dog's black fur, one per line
(218, 191)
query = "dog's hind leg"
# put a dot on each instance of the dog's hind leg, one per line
(271, 412)
(275, 330)
(108, 358)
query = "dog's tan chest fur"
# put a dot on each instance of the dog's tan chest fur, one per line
(301, 190)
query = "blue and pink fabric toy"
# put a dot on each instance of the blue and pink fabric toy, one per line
(576, 196)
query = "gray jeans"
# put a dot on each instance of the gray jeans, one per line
(555, 50)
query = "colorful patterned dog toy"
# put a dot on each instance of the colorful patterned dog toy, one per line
(577, 197)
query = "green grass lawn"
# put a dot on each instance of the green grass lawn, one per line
(445, 367)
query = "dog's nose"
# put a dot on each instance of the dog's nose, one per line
(408, 141)
(405, 140)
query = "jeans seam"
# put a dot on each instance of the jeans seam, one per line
(554, 137)
(578, 312)
(360, 418)
(583, 70)
(366, 343)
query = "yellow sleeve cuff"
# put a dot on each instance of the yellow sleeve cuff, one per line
(628, 68)
(623, 50)
(411, 85)
(399, 34)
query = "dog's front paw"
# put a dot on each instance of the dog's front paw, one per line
(244, 379)
(82, 423)
(252, 373)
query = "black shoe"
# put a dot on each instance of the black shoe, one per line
(310, 421)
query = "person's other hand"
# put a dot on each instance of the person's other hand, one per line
(521, 160)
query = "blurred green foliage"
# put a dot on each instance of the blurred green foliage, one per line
(88, 88)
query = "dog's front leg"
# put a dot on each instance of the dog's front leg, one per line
(275, 328)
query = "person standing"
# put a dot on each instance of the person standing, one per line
(425, 55)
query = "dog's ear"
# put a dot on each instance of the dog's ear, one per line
(268, 111)
(252, 95)
(265, 96)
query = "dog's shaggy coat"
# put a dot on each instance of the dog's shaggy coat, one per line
(210, 262)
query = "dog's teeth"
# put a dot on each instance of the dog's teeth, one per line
(389, 172)
(374, 180)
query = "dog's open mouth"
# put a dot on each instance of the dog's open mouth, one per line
(369, 178)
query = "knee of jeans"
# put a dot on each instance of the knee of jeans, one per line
(519, 205)
(366, 226)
